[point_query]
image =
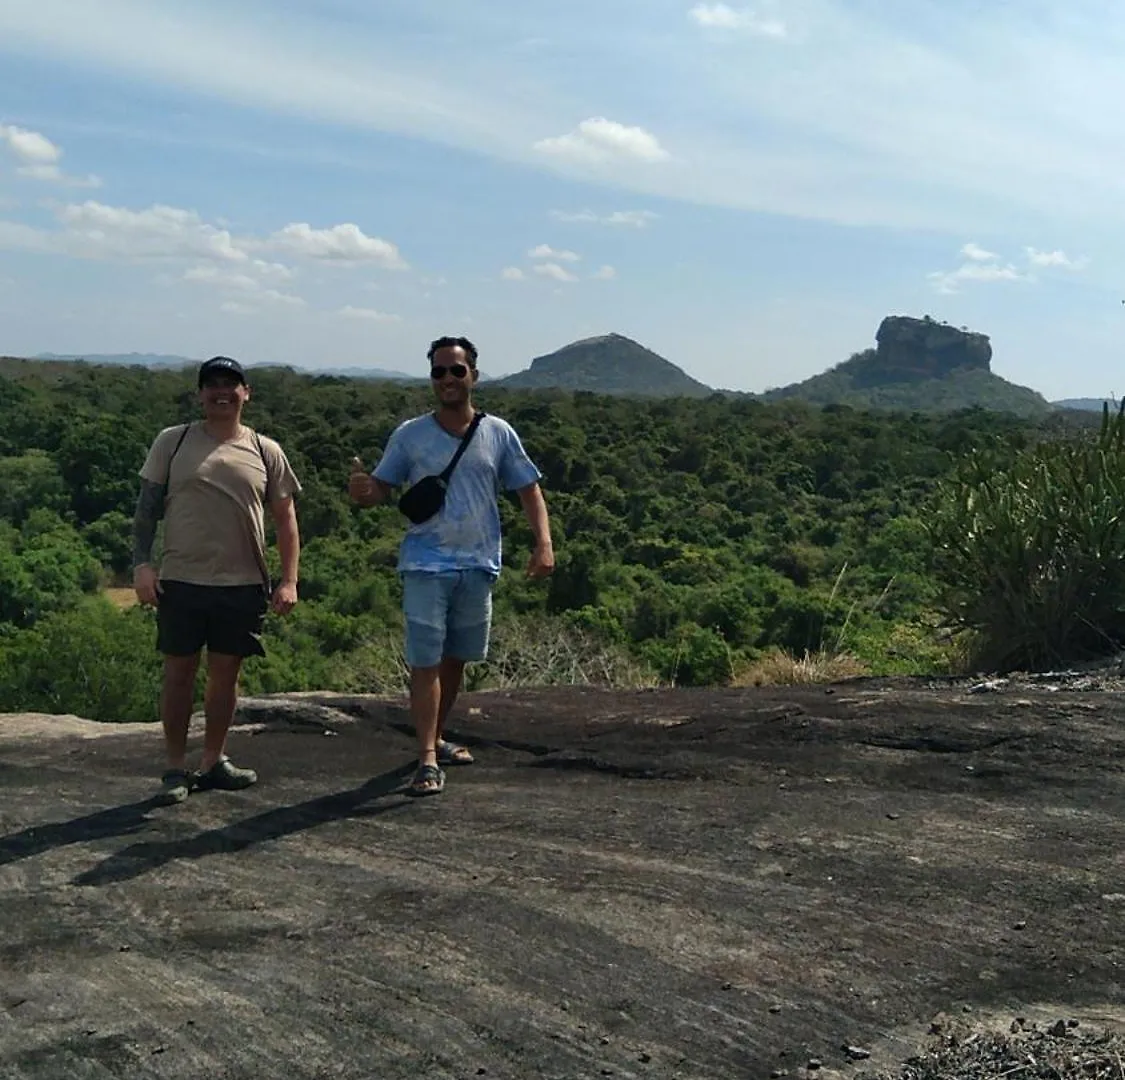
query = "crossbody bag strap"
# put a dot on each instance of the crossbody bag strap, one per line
(465, 439)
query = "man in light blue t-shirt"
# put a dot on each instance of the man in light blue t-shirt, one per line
(449, 563)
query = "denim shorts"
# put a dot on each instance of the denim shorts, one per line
(448, 613)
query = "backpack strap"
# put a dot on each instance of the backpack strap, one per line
(465, 440)
(175, 451)
(265, 464)
(263, 567)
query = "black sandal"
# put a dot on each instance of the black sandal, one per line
(427, 780)
(451, 754)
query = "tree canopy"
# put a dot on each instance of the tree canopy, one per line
(692, 536)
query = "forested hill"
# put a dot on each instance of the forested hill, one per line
(922, 365)
(610, 364)
(693, 535)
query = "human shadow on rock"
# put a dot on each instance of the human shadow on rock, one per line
(36, 839)
(138, 859)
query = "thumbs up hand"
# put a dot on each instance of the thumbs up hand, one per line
(361, 487)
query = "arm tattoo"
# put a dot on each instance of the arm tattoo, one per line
(150, 509)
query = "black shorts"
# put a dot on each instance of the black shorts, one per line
(225, 618)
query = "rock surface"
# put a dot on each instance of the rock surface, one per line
(924, 349)
(649, 884)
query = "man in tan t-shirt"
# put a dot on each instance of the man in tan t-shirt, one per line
(211, 483)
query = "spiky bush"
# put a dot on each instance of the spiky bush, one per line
(1030, 551)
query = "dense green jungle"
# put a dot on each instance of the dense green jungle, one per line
(699, 542)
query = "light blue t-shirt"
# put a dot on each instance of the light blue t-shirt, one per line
(465, 533)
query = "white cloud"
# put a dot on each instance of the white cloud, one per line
(977, 253)
(604, 273)
(16, 236)
(512, 273)
(1059, 259)
(370, 314)
(635, 219)
(228, 279)
(249, 288)
(599, 140)
(722, 17)
(272, 296)
(238, 307)
(949, 282)
(986, 266)
(29, 146)
(545, 251)
(273, 271)
(39, 157)
(901, 115)
(340, 243)
(54, 174)
(94, 230)
(554, 271)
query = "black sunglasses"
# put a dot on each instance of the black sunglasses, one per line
(458, 371)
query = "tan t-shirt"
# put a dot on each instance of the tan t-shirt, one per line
(214, 510)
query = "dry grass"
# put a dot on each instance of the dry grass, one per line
(529, 651)
(1062, 1052)
(121, 598)
(780, 668)
(524, 652)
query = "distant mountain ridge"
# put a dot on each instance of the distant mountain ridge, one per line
(158, 360)
(917, 365)
(609, 364)
(1087, 404)
(126, 359)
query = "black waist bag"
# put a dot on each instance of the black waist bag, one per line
(424, 499)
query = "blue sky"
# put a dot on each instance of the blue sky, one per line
(746, 189)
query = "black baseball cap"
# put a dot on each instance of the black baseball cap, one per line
(221, 363)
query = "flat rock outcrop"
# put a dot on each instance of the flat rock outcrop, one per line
(924, 349)
(689, 884)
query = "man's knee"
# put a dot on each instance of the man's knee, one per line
(223, 669)
(470, 619)
(467, 644)
(179, 671)
(424, 646)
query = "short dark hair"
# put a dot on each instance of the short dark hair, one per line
(452, 343)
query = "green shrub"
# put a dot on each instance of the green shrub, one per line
(1031, 550)
(695, 656)
(92, 660)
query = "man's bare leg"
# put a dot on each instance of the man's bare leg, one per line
(425, 705)
(177, 698)
(451, 673)
(219, 704)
